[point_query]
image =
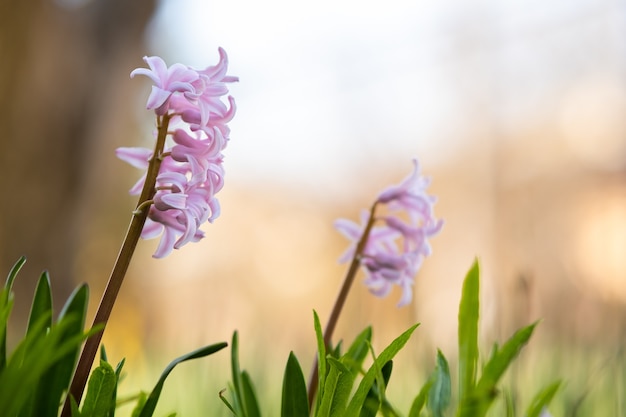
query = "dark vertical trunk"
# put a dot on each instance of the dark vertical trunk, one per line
(58, 73)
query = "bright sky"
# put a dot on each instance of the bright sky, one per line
(329, 82)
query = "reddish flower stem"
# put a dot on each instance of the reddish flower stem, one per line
(341, 300)
(118, 273)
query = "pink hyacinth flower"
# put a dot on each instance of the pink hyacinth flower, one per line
(394, 251)
(189, 104)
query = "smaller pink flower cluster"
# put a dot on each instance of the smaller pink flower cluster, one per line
(191, 171)
(394, 251)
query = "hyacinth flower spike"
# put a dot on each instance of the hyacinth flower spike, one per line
(183, 173)
(390, 249)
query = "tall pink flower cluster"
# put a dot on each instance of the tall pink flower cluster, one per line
(188, 104)
(396, 247)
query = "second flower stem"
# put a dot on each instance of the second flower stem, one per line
(341, 300)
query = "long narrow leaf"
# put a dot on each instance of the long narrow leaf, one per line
(42, 303)
(6, 305)
(295, 401)
(330, 387)
(239, 404)
(353, 362)
(141, 402)
(251, 404)
(57, 379)
(468, 330)
(13, 274)
(39, 322)
(420, 399)
(358, 349)
(386, 355)
(321, 358)
(441, 390)
(495, 368)
(376, 395)
(542, 399)
(22, 374)
(153, 398)
(118, 374)
(477, 404)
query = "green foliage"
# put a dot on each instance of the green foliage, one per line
(337, 376)
(100, 398)
(295, 400)
(35, 376)
(244, 402)
(420, 399)
(375, 399)
(468, 330)
(441, 389)
(150, 405)
(37, 373)
(542, 399)
(478, 388)
(366, 383)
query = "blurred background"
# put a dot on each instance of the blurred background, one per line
(515, 109)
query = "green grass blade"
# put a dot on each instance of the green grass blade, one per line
(118, 375)
(226, 402)
(376, 395)
(100, 390)
(39, 322)
(321, 358)
(295, 402)
(42, 304)
(358, 349)
(239, 404)
(13, 274)
(330, 387)
(141, 402)
(542, 399)
(356, 403)
(468, 330)
(57, 379)
(6, 305)
(23, 373)
(497, 365)
(477, 404)
(153, 398)
(441, 390)
(250, 400)
(420, 399)
(352, 361)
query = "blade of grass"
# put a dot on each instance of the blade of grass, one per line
(294, 398)
(250, 401)
(468, 330)
(6, 305)
(57, 379)
(386, 355)
(542, 399)
(42, 303)
(153, 398)
(441, 390)
(420, 399)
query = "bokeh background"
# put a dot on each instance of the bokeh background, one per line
(516, 109)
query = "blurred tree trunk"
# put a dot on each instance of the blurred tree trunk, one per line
(60, 68)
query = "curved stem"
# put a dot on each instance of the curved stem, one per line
(118, 273)
(341, 300)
